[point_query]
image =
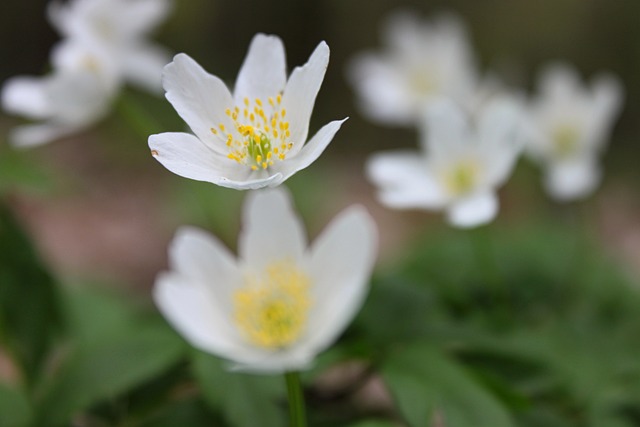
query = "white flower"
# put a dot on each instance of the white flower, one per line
(460, 165)
(120, 27)
(280, 303)
(256, 137)
(423, 60)
(572, 125)
(77, 93)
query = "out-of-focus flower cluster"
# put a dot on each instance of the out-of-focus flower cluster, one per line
(103, 46)
(472, 128)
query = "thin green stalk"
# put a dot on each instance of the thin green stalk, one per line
(296, 400)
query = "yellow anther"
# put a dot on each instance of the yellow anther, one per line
(246, 102)
(221, 126)
(227, 112)
(252, 117)
(254, 168)
(259, 102)
(275, 133)
(279, 98)
(284, 113)
(287, 133)
(271, 101)
(259, 158)
(269, 154)
(214, 131)
(273, 122)
(264, 165)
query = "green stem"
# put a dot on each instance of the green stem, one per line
(296, 400)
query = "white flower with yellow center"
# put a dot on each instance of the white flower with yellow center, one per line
(256, 137)
(119, 27)
(460, 166)
(280, 303)
(423, 60)
(76, 94)
(572, 124)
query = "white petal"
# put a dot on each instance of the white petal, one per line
(310, 152)
(404, 181)
(271, 230)
(191, 309)
(445, 128)
(559, 80)
(27, 96)
(187, 156)
(382, 90)
(201, 257)
(473, 210)
(198, 97)
(143, 66)
(263, 73)
(341, 261)
(141, 16)
(38, 134)
(502, 132)
(301, 91)
(571, 180)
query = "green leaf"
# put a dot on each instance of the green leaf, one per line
(244, 400)
(427, 385)
(14, 408)
(105, 369)
(30, 314)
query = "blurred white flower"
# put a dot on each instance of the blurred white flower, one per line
(280, 303)
(77, 93)
(103, 46)
(120, 27)
(253, 138)
(422, 61)
(571, 125)
(460, 166)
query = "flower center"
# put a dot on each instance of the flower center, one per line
(565, 140)
(271, 312)
(461, 178)
(257, 138)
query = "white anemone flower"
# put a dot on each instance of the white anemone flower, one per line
(280, 303)
(423, 60)
(572, 124)
(460, 166)
(76, 94)
(120, 26)
(253, 138)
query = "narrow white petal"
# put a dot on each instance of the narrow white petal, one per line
(559, 80)
(404, 180)
(27, 96)
(310, 152)
(301, 91)
(187, 156)
(572, 180)
(272, 231)
(473, 210)
(39, 134)
(341, 261)
(263, 73)
(198, 97)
